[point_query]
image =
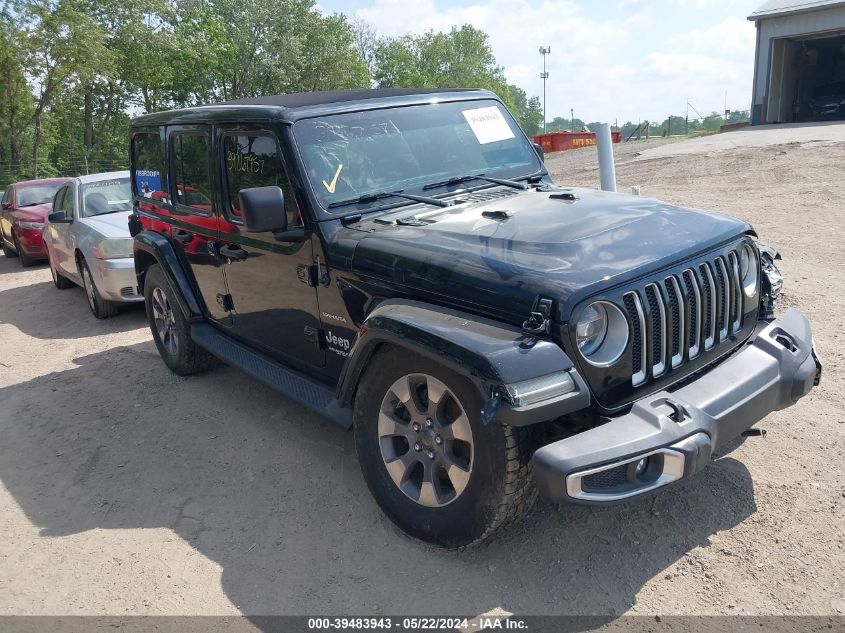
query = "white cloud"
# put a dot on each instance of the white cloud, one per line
(612, 63)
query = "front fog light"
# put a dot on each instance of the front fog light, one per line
(639, 469)
(527, 392)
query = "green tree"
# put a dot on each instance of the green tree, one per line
(16, 105)
(461, 58)
(62, 43)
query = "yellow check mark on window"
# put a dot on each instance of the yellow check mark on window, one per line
(330, 186)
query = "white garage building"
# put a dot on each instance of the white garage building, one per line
(800, 55)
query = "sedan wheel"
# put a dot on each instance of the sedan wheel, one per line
(60, 281)
(99, 307)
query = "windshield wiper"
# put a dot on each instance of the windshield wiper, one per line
(372, 197)
(456, 180)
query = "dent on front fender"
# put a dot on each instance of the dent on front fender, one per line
(489, 353)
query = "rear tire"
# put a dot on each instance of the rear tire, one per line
(100, 308)
(171, 332)
(410, 471)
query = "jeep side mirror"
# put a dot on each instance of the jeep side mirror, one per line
(263, 209)
(7, 205)
(59, 217)
(540, 151)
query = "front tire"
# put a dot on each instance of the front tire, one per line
(100, 308)
(26, 260)
(60, 281)
(170, 329)
(8, 252)
(433, 467)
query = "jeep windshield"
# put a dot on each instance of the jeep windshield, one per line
(352, 158)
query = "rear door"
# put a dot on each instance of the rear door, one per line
(275, 308)
(195, 212)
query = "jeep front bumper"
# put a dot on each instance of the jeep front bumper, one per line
(670, 435)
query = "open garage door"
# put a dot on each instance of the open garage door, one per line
(807, 79)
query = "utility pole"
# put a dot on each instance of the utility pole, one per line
(686, 120)
(544, 50)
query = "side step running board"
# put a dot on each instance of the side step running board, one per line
(303, 389)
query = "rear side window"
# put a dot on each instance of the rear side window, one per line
(253, 160)
(148, 165)
(190, 169)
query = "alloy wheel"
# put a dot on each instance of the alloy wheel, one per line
(89, 288)
(165, 321)
(426, 440)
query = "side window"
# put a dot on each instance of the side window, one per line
(148, 165)
(253, 160)
(190, 170)
(64, 201)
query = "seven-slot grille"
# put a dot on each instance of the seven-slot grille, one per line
(675, 319)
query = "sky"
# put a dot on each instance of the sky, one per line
(625, 60)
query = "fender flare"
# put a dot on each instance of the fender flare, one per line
(491, 354)
(151, 245)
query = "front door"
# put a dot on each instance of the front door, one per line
(60, 234)
(194, 220)
(275, 309)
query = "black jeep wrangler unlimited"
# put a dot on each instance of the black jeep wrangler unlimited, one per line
(401, 262)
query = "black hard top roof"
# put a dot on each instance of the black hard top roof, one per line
(305, 99)
(289, 107)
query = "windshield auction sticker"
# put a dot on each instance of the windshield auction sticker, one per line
(488, 124)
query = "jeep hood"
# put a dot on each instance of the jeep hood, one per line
(498, 255)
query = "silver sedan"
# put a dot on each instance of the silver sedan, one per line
(88, 241)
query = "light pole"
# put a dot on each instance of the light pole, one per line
(572, 118)
(544, 50)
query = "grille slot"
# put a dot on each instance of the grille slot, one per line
(127, 291)
(487, 196)
(657, 312)
(694, 303)
(672, 321)
(638, 355)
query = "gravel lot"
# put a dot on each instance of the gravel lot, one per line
(128, 490)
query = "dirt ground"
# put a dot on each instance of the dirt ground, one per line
(128, 490)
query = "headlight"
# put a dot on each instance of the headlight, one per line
(748, 269)
(114, 248)
(601, 333)
(31, 225)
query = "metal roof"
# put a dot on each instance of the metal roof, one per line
(291, 107)
(776, 8)
(109, 175)
(305, 99)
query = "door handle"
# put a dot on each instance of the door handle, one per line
(230, 251)
(183, 236)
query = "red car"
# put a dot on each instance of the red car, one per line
(25, 207)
